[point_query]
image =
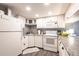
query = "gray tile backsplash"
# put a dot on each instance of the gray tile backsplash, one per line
(30, 30)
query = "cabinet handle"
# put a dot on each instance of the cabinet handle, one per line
(24, 44)
(59, 43)
(24, 37)
(63, 48)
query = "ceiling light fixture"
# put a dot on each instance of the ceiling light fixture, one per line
(28, 8)
(49, 13)
(37, 15)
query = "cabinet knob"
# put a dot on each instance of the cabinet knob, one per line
(24, 44)
(24, 37)
(63, 48)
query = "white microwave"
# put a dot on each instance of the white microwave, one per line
(31, 21)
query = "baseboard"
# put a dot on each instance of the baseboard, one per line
(20, 54)
(32, 47)
(39, 47)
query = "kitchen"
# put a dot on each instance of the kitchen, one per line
(39, 29)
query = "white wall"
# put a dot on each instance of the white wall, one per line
(72, 18)
(69, 15)
(72, 9)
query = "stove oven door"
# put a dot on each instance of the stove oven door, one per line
(50, 43)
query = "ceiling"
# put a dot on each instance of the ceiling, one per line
(38, 8)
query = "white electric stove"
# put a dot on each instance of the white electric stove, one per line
(50, 41)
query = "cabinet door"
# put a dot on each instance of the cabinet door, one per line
(39, 23)
(61, 21)
(45, 21)
(30, 41)
(65, 53)
(51, 22)
(24, 42)
(62, 50)
(38, 41)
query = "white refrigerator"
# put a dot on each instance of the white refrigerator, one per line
(10, 36)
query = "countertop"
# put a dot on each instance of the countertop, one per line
(33, 34)
(39, 35)
(71, 44)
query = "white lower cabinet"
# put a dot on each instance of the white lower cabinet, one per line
(38, 41)
(24, 42)
(62, 50)
(30, 41)
(27, 41)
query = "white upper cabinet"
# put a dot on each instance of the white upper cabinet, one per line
(61, 21)
(50, 22)
(39, 23)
